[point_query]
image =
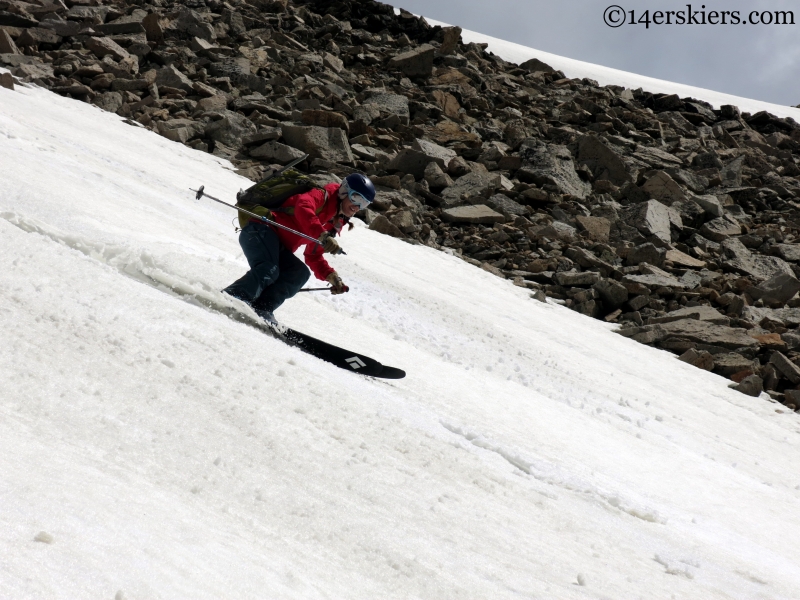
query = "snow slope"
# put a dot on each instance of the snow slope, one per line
(517, 53)
(156, 448)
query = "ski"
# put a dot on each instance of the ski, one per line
(342, 358)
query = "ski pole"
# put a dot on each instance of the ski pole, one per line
(201, 193)
(315, 289)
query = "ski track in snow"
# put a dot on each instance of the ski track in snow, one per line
(165, 452)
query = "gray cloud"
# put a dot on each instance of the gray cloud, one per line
(754, 61)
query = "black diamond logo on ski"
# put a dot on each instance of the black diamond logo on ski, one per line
(355, 362)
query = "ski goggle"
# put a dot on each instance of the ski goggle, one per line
(358, 199)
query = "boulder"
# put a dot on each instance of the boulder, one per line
(597, 229)
(700, 359)
(534, 65)
(576, 278)
(602, 161)
(477, 214)
(273, 151)
(612, 293)
(415, 63)
(7, 81)
(710, 204)
(510, 208)
(664, 189)
(551, 165)
(469, 186)
(324, 118)
(436, 153)
(703, 332)
(737, 258)
(777, 290)
(752, 385)
(170, 76)
(730, 363)
(7, 45)
(178, 130)
(651, 218)
(451, 36)
(381, 224)
(790, 252)
(436, 178)
(646, 253)
(721, 228)
(230, 129)
(102, 46)
(785, 366)
(388, 104)
(327, 143)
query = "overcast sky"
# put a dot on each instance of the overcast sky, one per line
(754, 61)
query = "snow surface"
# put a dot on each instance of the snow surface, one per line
(151, 447)
(518, 54)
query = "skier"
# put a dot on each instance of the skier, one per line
(276, 274)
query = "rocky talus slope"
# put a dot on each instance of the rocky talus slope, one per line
(677, 221)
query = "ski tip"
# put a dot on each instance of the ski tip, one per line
(391, 373)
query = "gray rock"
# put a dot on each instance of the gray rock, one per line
(551, 165)
(741, 260)
(383, 225)
(577, 279)
(415, 63)
(646, 253)
(389, 104)
(777, 290)
(790, 252)
(786, 367)
(701, 313)
(170, 76)
(651, 218)
(366, 113)
(264, 134)
(557, 230)
(327, 143)
(477, 214)
(436, 178)
(752, 385)
(663, 188)
(469, 186)
(656, 280)
(708, 333)
(721, 228)
(102, 46)
(612, 294)
(597, 228)
(700, 359)
(230, 129)
(451, 38)
(409, 161)
(439, 154)
(273, 151)
(792, 339)
(534, 65)
(710, 204)
(510, 208)
(602, 161)
(110, 101)
(788, 317)
(179, 130)
(730, 363)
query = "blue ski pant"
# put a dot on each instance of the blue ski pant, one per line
(275, 274)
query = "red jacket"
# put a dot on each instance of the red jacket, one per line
(311, 213)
